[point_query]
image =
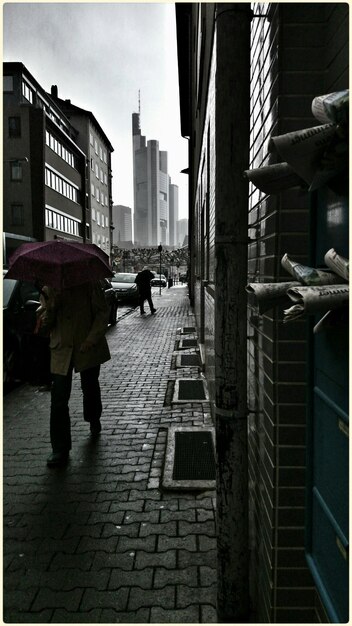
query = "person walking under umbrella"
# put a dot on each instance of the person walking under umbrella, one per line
(73, 310)
(77, 319)
(142, 280)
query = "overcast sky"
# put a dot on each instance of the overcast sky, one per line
(100, 55)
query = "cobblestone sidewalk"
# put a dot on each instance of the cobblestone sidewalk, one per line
(100, 541)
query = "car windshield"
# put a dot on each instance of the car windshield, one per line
(8, 287)
(123, 278)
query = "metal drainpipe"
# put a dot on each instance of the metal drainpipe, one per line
(231, 240)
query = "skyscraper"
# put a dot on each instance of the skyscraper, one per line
(122, 220)
(173, 213)
(151, 189)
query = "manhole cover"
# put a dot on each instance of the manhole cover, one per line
(194, 456)
(191, 390)
(188, 343)
(190, 459)
(190, 359)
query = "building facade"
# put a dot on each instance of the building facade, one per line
(173, 213)
(98, 149)
(122, 219)
(44, 174)
(280, 386)
(151, 189)
(181, 232)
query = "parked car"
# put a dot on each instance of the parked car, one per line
(183, 277)
(125, 288)
(111, 299)
(158, 280)
(20, 302)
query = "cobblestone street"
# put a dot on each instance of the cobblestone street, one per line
(100, 541)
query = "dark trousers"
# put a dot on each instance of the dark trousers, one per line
(60, 425)
(145, 295)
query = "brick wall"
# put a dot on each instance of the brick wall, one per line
(288, 69)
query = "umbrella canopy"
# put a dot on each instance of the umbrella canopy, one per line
(59, 264)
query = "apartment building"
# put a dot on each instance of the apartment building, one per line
(98, 149)
(44, 173)
(279, 390)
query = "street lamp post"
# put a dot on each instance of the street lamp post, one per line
(160, 248)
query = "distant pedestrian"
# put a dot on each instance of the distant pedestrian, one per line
(142, 280)
(77, 319)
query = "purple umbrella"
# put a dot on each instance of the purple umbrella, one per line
(59, 264)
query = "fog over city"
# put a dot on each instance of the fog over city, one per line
(100, 56)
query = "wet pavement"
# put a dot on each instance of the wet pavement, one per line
(101, 541)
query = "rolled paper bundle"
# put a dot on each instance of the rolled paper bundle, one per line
(309, 275)
(274, 178)
(337, 263)
(268, 295)
(311, 300)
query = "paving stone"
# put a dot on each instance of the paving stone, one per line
(158, 529)
(178, 543)
(155, 559)
(112, 530)
(187, 576)
(144, 543)
(187, 596)
(109, 616)
(105, 599)
(180, 616)
(102, 560)
(186, 558)
(186, 515)
(61, 616)
(137, 578)
(20, 599)
(151, 598)
(23, 617)
(47, 598)
(208, 615)
(199, 528)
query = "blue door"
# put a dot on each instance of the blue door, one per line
(328, 465)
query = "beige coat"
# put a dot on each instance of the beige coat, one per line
(74, 316)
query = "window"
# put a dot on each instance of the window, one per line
(96, 170)
(101, 152)
(61, 186)
(92, 164)
(92, 190)
(106, 221)
(102, 176)
(27, 92)
(17, 215)
(16, 171)
(98, 217)
(105, 179)
(58, 147)
(8, 84)
(105, 158)
(98, 195)
(93, 215)
(106, 201)
(91, 140)
(14, 126)
(96, 146)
